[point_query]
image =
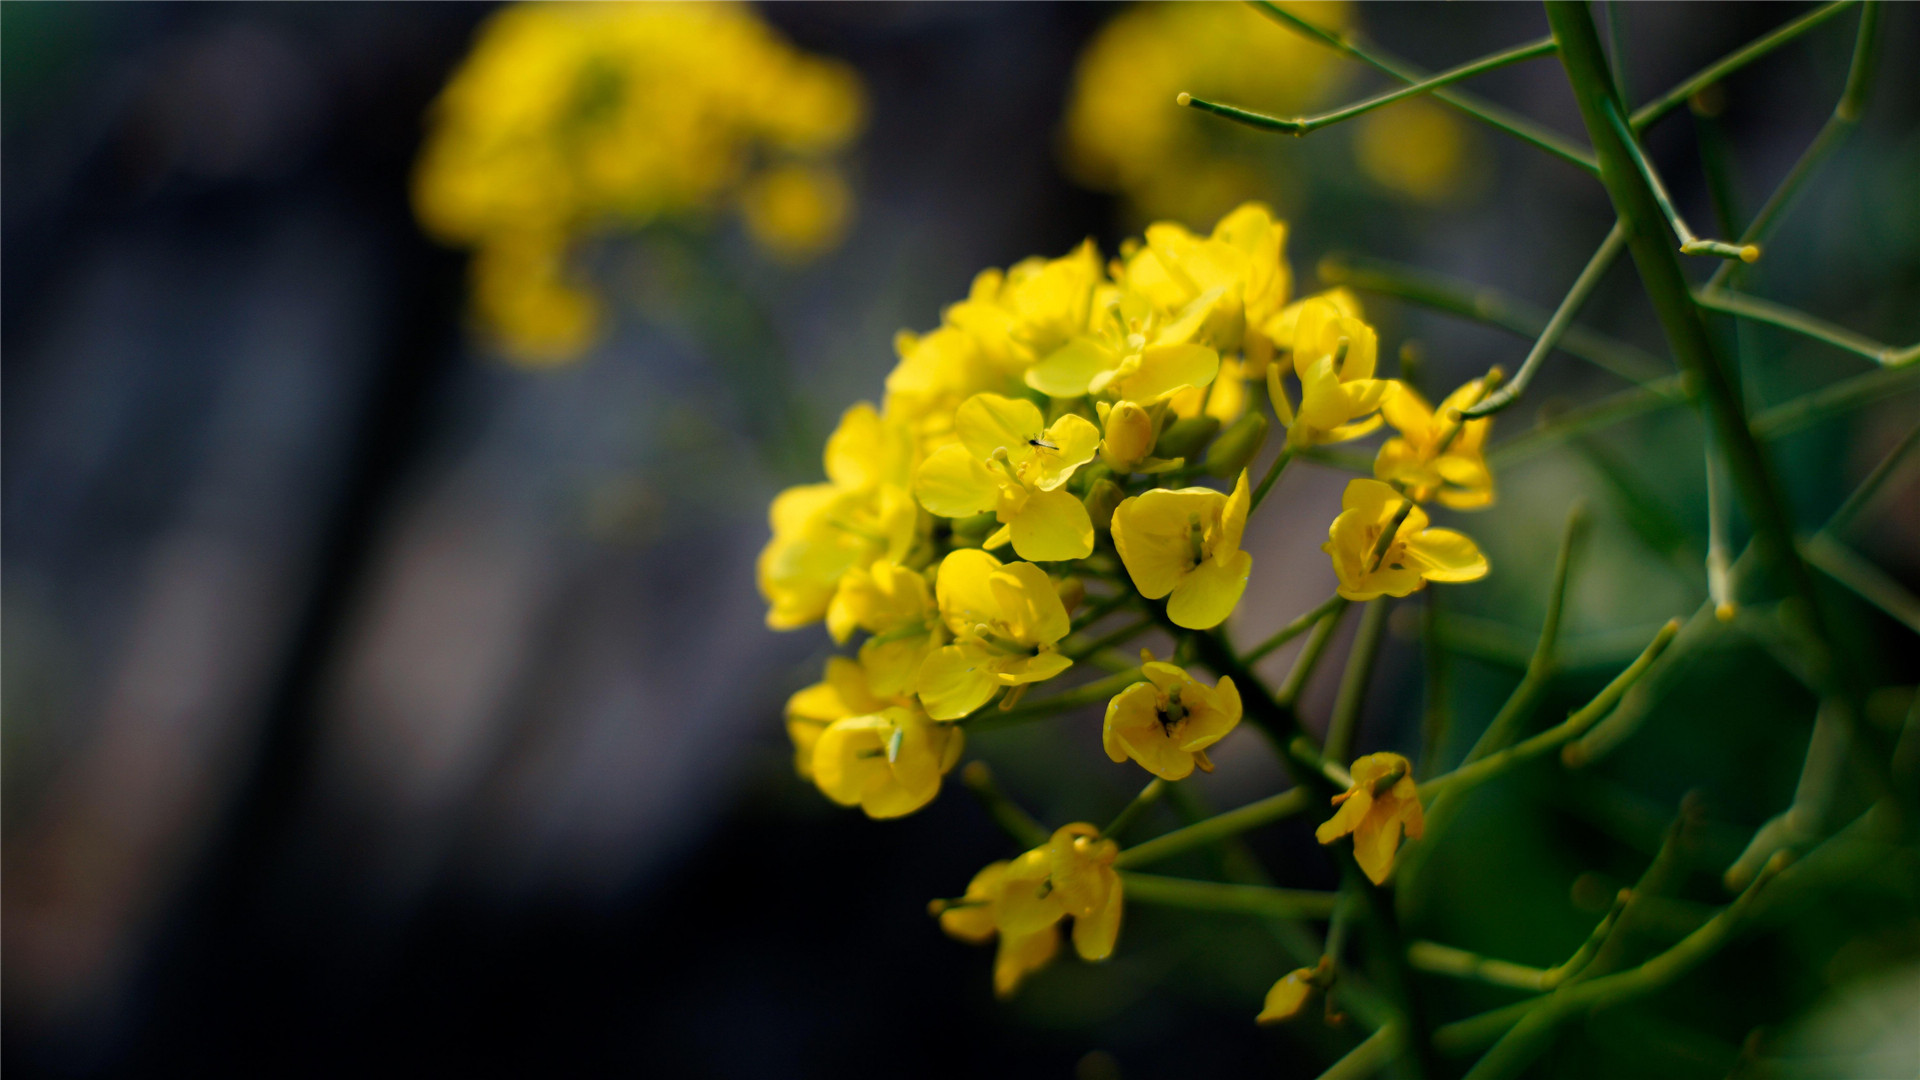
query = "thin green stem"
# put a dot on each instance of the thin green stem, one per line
(1109, 640)
(1216, 828)
(1305, 124)
(1370, 1056)
(1354, 680)
(1719, 573)
(1262, 900)
(1099, 690)
(1556, 327)
(1647, 114)
(1689, 243)
(1486, 112)
(1309, 658)
(1437, 959)
(1436, 712)
(1846, 114)
(1863, 579)
(1134, 808)
(1729, 302)
(1863, 494)
(1617, 47)
(1833, 399)
(1005, 813)
(1102, 608)
(1716, 161)
(1540, 668)
(1292, 630)
(1273, 473)
(1593, 416)
(1487, 305)
(1479, 772)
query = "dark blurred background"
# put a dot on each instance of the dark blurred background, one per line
(370, 703)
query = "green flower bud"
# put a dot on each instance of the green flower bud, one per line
(1186, 438)
(1237, 446)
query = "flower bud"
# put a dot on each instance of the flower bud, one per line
(1185, 438)
(1237, 446)
(1104, 498)
(1129, 436)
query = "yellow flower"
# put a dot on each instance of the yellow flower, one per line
(1032, 310)
(1244, 259)
(937, 371)
(1008, 461)
(976, 917)
(1287, 997)
(1088, 888)
(1438, 454)
(1334, 355)
(1419, 150)
(1136, 352)
(569, 121)
(895, 606)
(1167, 722)
(1185, 545)
(1414, 556)
(844, 692)
(1383, 802)
(1024, 900)
(887, 763)
(821, 531)
(1005, 620)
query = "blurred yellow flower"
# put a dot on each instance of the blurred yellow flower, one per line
(1167, 722)
(569, 121)
(844, 692)
(1438, 454)
(1023, 901)
(887, 763)
(1185, 545)
(1088, 887)
(1383, 802)
(894, 605)
(1006, 621)
(973, 918)
(1287, 997)
(1124, 134)
(1370, 565)
(1420, 150)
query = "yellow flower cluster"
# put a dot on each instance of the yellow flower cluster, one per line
(1024, 462)
(570, 121)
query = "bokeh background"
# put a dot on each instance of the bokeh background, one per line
(373, 702)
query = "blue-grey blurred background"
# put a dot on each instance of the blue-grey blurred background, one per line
(371, 703)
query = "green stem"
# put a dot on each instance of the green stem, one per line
(1217, 828)
(1370, 1056)
(1436, 713)
(1617, 47)
(1556, 327)
(1437, 959)
(1863, 579)
(1766, 311)
(1354, 680)
(1719, 573)
(1693, 347)
(1540, 668)
(1005, 813)
(1309, 658)
(1101, 609)
(1512, 123)
(1303, 125)
(1689, 243)
(1108, 640)
(1099, 690)
(1606, 412)
(1134, 808)
(1834, 398)
(1292, 630)
(1273, 473)
(1488, 305)
(1647, 114)
(1862, 495)
(1262, 900)
(1573, 727)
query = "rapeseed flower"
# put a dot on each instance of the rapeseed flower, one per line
(1370, 562)
(1383, 803)
(887, 763)
(1024, 900)
(1438, 453)
(1185, 545)
(844, 692)
(895, 606)
(1334, 356)
(1006, 621)
(1010, 461)
(975, 918)
(1167, 722)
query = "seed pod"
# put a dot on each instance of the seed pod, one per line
(1237, 446)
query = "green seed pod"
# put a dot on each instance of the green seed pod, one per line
(1186, 438)
(1237, 446)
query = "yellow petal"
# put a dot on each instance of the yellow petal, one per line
(1286, 998)
(1374, 843)
(1277, 391)
(1408, 412)
(1068, 370)
(1152, 531)
(1053, 526)
(988, 422)
(952, 483)
(1166, 368)
(1021, 955)
(956, 680)
(1207, 595)
(1094, 934)
(1029, 605)
(1445, 555)
(1030, 669)
(1233, 518)
(1074, 440)
(962, 590)
(1131, 710)
(1352, 812)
